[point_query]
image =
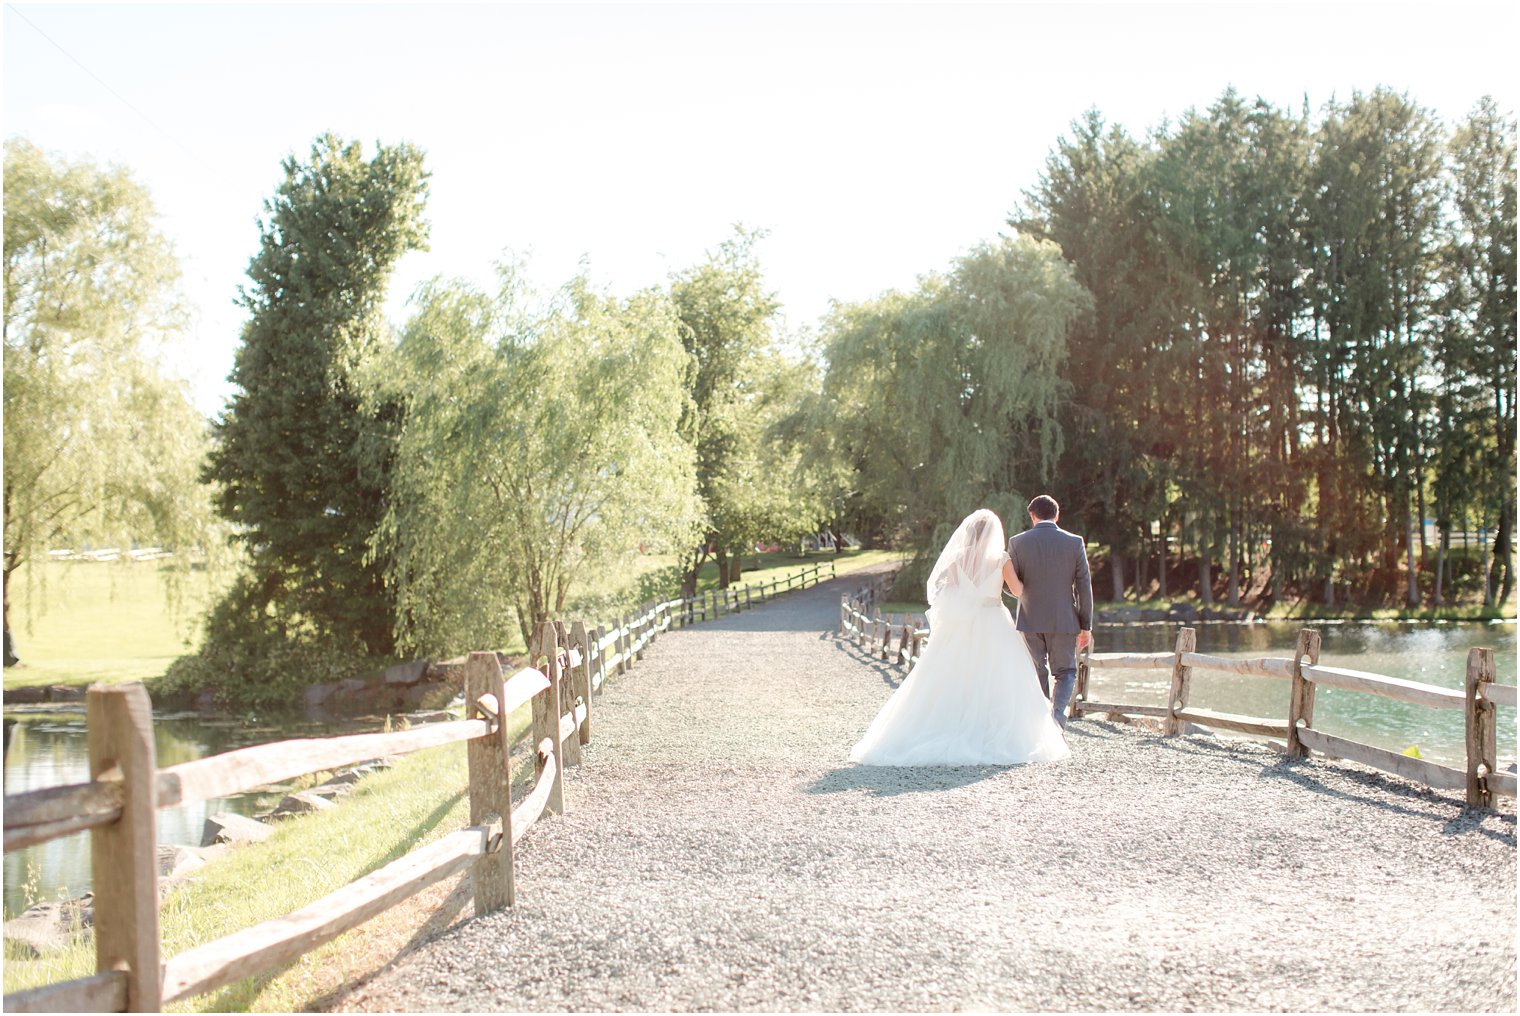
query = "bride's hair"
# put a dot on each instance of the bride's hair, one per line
(970, 555)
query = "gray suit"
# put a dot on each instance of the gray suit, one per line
(1056, 605)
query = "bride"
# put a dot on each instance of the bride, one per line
(973, 697)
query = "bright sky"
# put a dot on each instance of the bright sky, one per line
(874, 143)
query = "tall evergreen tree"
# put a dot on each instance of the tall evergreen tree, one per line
(300, 467)
(1478, 343)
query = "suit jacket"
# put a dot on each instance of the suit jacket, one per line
(1052, 564)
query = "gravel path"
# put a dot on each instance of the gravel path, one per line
(721, 853)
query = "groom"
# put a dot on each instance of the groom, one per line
(1055, 609)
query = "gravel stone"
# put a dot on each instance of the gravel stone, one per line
(721, 853)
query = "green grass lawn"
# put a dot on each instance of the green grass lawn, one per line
(78, 622)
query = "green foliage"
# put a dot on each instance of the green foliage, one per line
(751, 475)
(102, 445)
(1302, 343)
(300, 465)
(946, 399)
(538, 452)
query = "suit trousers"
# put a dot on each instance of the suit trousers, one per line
(1054, 653)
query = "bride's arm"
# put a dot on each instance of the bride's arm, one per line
(1011, 579)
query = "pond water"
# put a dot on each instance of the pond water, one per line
(1428, 652)
(48, 749)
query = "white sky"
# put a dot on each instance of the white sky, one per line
(874, 142)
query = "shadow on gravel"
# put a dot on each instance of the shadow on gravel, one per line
(891, 674)
(888, 781)
(1308, 773)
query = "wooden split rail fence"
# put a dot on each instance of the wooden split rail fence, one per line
(901, 641)
(119, 806)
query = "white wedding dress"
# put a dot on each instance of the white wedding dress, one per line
(973, 697)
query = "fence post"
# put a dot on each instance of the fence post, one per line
(886, 637)
(580, 677)
(572, 748)
(844, 611)
(1187, 641)
(642, 626)
(749, 603)
(490, 770)
(124, 854)
(1301, 696)
(620, 644)
(902, 643)
(1084, 669)
(546, 714)
(1482, 733)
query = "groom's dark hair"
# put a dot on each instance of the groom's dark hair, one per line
(1044, 508)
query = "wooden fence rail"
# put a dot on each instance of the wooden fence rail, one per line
(901, 639)
(567, 666)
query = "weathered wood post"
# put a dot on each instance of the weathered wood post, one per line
(886, 639)
(620, 644)
(1482, 727)
(595, 677)
(844, 612)
(581, 675)
(643, 629)
(546, 713)
(1084, 670)
(1187, 641)
(749, 603)
(490, 769)
(124, 854)
(1301, 694)
(902, 643)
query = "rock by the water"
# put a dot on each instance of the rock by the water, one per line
(46, 928)
(302, 802)
(175, 861)
(406, 673)
(228, 827)
(429, 716)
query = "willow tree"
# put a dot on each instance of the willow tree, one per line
(538, 451)
(948, 398)
(102, 444)
(745, 478)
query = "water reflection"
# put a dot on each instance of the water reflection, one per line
(49, 748)
(1429, 652)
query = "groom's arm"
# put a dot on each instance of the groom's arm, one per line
(1083, 588)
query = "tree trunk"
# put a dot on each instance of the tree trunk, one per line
(11, 656)
(735, 568)
(1504, 552)
(1483, 567)
(1140, 584)
(1161, 567)
(1234, 590)
(1330, 589)
(1116, 572)
(1412, 597)
(1205, 578)
(722, 558)
(1441, 564)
